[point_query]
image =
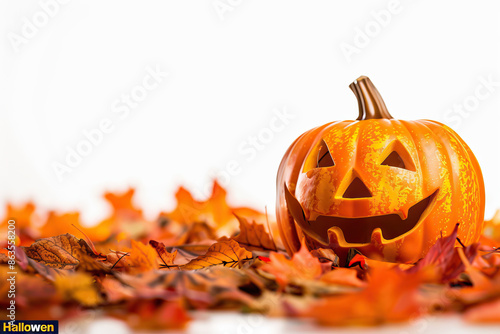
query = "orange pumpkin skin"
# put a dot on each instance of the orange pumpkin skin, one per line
(393, 211)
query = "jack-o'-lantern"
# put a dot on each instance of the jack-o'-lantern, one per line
(385, 187)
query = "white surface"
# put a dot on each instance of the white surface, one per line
(235, 323)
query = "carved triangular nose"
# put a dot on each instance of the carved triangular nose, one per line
(357, 189)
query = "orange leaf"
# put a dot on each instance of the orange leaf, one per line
(391, 296)
(62, 223)
(142, 257)
(225, 252)
(123, 206)
(215, 210)
(483, 288)
(197, 232)
(302, 266)
(165, 257)
(253, 236)
(444, 260)
(343, 276)
(22, 215)
(487, 312)
(151, 314)
(25, 224)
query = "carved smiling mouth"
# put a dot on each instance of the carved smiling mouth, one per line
(358, 230)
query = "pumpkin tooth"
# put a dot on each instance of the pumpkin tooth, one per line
(336, 237)
(377, 237)
(403, 213)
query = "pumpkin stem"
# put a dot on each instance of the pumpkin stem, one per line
(371, 105)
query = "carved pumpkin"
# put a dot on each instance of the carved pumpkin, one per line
(388, 188)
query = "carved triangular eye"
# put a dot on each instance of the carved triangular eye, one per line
(324, 156)
(394, 160)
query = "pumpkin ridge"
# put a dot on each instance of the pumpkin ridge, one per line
(464, 151)
(454, 182)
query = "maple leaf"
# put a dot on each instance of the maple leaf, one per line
(443, 259)
(142, 257)
(123, 206)
(253, 236)
(25, 224)
(57, 224)
(23, 215)
(62, 251)
(79, 287)
(215, 210)
(126, 220)
(302, 266)
(390, 296)
(225, 252)
(166, 258)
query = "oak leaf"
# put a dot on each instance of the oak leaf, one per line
(225, 252)
(254, 236)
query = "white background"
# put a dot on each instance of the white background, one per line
(229, 68)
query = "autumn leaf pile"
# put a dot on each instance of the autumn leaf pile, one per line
(207, 255)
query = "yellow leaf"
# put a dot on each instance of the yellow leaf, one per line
(78, 287)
